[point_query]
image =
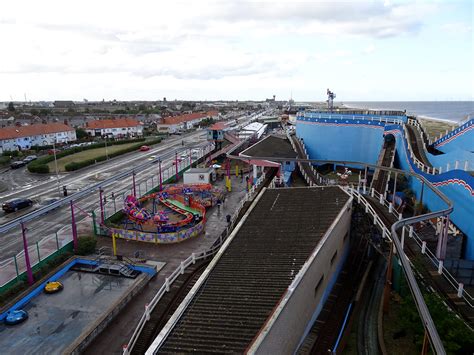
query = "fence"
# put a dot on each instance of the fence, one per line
(458, 287)
(186, 263)
(14, 268)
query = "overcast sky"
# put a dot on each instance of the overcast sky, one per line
(127, 50)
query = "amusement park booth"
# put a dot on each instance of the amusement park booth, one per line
(199, 175)
(272, 146)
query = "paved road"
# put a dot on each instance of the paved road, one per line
(39, 190)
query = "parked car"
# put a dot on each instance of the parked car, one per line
(144, 148)
(17, 164)
(30, 158)
(52, 151)
(17, 204)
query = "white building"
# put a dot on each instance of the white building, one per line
(25, 137)
(118, 128)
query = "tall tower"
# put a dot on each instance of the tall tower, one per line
(330, 100)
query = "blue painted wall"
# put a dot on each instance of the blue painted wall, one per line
(352, 140)
(361, 140)
(341, 116)
(457, 185)
(461, 138)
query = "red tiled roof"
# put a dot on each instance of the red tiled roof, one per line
(188, 117)
(219, 126)
(33, 130)
(112, 123)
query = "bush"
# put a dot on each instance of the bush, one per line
(73, 166)
(40, 165)
(11, 153)
(4, 161)
(86, 245)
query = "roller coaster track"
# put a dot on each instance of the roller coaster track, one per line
(425, 315)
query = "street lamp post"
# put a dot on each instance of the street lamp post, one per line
(106, 154)
(56, 164)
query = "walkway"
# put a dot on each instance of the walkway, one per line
(306, 169)
(111, 340)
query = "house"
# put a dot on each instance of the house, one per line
(117, 128)
(183, 122)
(25, 137)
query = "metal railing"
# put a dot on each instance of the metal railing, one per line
(186, 263)
(458, 287)
(428, 323)
(66, 200)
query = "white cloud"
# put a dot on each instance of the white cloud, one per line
(175, 44)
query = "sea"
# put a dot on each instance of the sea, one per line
(454, 111)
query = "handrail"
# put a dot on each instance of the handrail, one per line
(419, 301)
(412, 234)
(184, 264)
(66, 200)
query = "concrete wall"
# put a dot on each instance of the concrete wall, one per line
(352, 141)
(299, 308)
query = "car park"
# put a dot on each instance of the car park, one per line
(17, 204)
(17, 164)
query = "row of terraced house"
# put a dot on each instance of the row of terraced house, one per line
(27, 136)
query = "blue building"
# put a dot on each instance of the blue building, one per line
(359, 137)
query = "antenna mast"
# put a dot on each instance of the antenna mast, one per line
(330, 100)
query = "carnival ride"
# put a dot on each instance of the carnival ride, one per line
(185, 202)
(53, 287)
(15, 317)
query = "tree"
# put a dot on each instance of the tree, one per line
(81, 133)
(44, 112)
(11, 107)
(34, 112)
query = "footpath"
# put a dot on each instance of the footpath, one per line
(111, 340)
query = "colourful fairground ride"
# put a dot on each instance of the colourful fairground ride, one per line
(174, 208)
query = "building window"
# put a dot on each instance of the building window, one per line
(333, 257)
(318, 286)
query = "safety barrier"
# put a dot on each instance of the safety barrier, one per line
(13, 269)
(186, 263)
(359, 197)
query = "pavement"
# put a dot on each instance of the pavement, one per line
(56, 320)
(118, 333)
(57, 220)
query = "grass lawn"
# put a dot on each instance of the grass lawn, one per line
(87, 154)
(434, 128)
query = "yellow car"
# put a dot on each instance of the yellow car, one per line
(53, 287)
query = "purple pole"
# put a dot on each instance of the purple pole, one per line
(101, 205)
(74, 227)
(176, 163)
(161, 177)
(134, 186)
(27, 256)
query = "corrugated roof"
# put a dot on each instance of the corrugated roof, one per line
(254, 271)
(33, 130)
(112, 123)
